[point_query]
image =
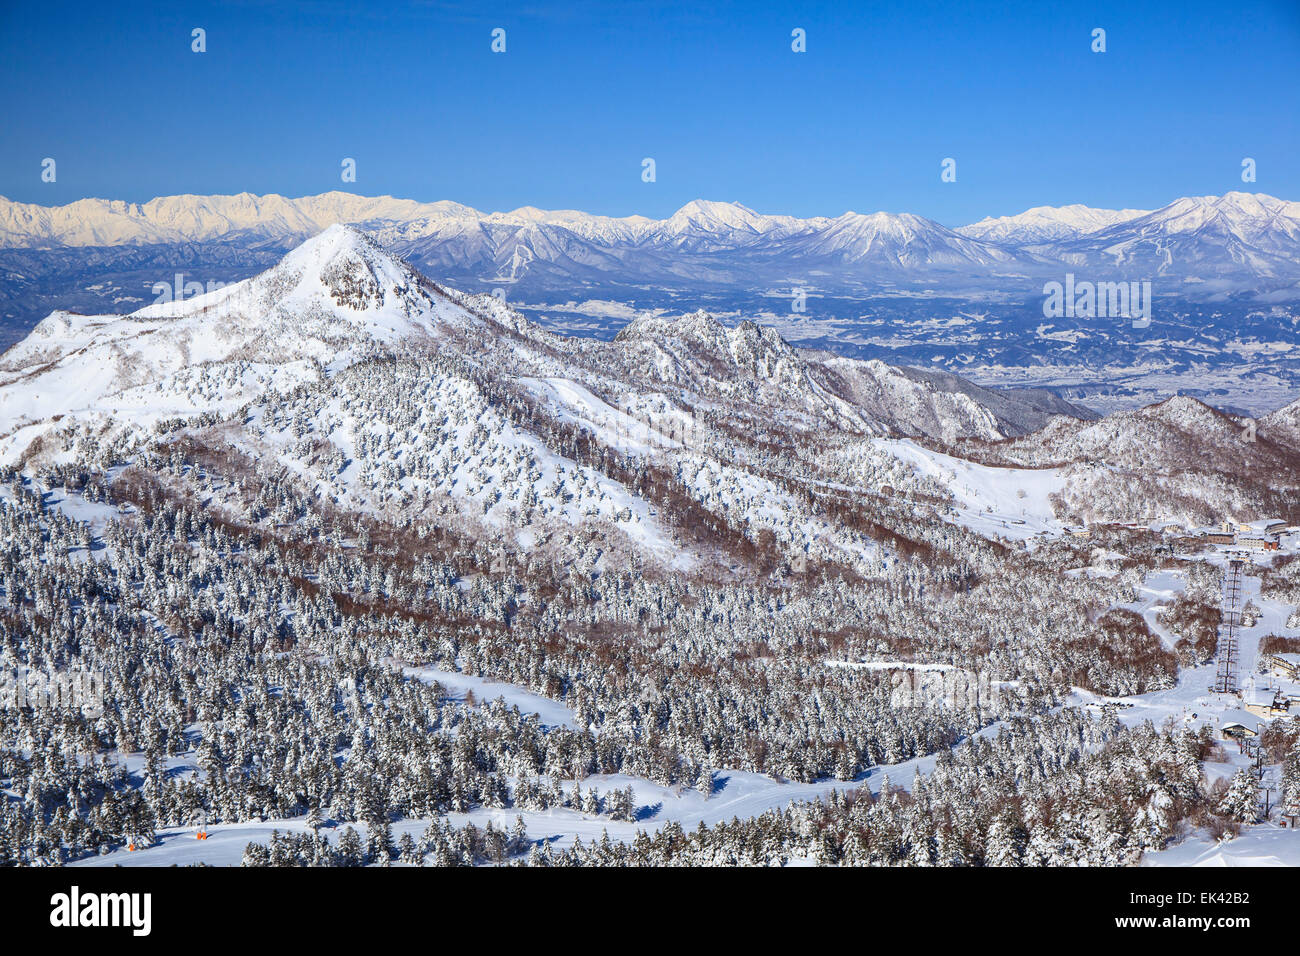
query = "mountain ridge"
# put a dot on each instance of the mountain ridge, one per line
(683, 442)
(273, 217)
(340, 296)
(1199, 247)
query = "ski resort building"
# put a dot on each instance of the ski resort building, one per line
(1266, 703)
(1258, 544)
(1239, 725)
(1286, 666)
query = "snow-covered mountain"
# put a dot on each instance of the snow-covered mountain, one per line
(1043, 224)
(703, 226)
(188, 218)
(339, 296)
(339, 301)
(1256, 220)
(1198, 237)
(1211, 245)
(1178, 460)
(710, 241)
(387, 392)
(890, 241)
(713, 242)
(351, 370)
(345, 497)
(1283, 424)
(326, 302)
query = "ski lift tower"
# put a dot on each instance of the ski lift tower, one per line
(1225, 678)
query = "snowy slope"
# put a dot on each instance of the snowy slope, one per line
(1232, 233)
(469, 405)
(328, 301)
(996, 502)
(1047, 223)
(385, 393)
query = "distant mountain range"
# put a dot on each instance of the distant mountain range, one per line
(1045, 224)
(380, 388)
(1238, 242)
(339, 298)
(1224, 273)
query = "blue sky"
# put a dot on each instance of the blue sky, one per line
(585, 91)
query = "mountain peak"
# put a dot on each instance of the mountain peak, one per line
(332, 242)
(899, 241)
(1188, 413)
(352, 268)
(1048, 223)
(712, 207)
(698, 327)
(711, 216)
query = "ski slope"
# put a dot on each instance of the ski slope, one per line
(994, 502)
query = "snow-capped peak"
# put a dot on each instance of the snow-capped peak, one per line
(697, 327)
(1211, 234)
(1239, 213)
(715, 215)
(335, 298)
(350, 265)
(1048, 223)
(340, 269)
(1230, 237)
(898, 240)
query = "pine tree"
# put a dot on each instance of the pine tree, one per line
(704, 782)
(1241, 803)
(1003, 848)
(1290, 795)
(350, 853)
(406, 850)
